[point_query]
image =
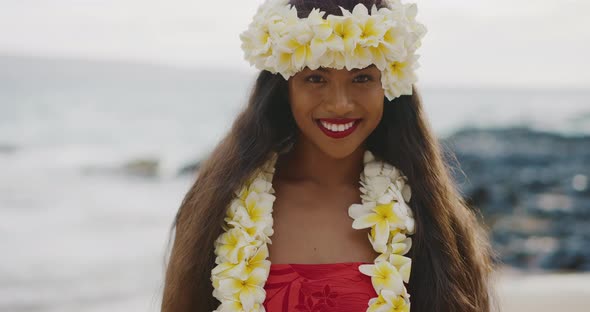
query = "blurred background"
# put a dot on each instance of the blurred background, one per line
(107, 106)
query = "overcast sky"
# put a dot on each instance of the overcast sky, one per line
(529, 43)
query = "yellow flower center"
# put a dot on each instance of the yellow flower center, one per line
(385, 213)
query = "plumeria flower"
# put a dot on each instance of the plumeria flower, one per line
(229, 244)
(416, 31)
(320, 26)
(257, 211)
(251, 211)
(326, 40)
(400, 244)
(391, 45)
(254, 258)
(280, 20)
(402, 264)
(373, 188)
(373, 26)
(234, 205)
(382, 216)
(250, 291)
(236, 305)
(378, 245)
(324, 37)
(347, 29)
(256, 39)
(297, 45)
(388, 301)
(370, 30)
(257, 183)
(399, 76)
(283, 63)
(383, 276)
(260, 185)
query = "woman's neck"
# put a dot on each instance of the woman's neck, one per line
(306, 162)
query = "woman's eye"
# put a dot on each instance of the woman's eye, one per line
(314, 79)
(362, 78)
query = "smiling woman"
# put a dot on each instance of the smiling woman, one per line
(333, 148)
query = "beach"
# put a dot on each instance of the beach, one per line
(543, 292)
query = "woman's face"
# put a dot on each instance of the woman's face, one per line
(336, 109)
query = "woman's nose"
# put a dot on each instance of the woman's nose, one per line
(340, 101)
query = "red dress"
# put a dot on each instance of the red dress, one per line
(329, 287)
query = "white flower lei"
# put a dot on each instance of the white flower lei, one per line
(241, 251)
(280, 42)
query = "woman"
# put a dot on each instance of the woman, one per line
(267, 224)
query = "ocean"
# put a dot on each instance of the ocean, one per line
(82, 229)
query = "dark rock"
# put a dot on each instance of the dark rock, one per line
(572, 255)
(145, 168)
(534, 190)
(142, 167)
(191, 168)
(7, 148)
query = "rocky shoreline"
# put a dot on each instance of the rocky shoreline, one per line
(533, 191)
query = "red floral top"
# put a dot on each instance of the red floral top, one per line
(330, 287)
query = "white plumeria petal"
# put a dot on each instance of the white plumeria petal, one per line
(260, 186)
(381, 234)
(403, 264)
(407, 193)
(378, 186)
(410, 225)
(365, 221)
(368, 157)
(372, 169)
(385, 198)
(357, 210)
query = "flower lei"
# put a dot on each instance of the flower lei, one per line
(280, 42)
(241, 251)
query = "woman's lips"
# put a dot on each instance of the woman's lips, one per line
(337, 128)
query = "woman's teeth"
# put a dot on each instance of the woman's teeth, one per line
(337, 128)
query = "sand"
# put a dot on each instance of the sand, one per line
(540, 292)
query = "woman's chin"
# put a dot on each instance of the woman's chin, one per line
(341, 151)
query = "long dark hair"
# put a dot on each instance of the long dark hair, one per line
(451, 257)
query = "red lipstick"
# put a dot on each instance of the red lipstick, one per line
(327, 124)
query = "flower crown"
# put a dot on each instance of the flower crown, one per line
(279, 41)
